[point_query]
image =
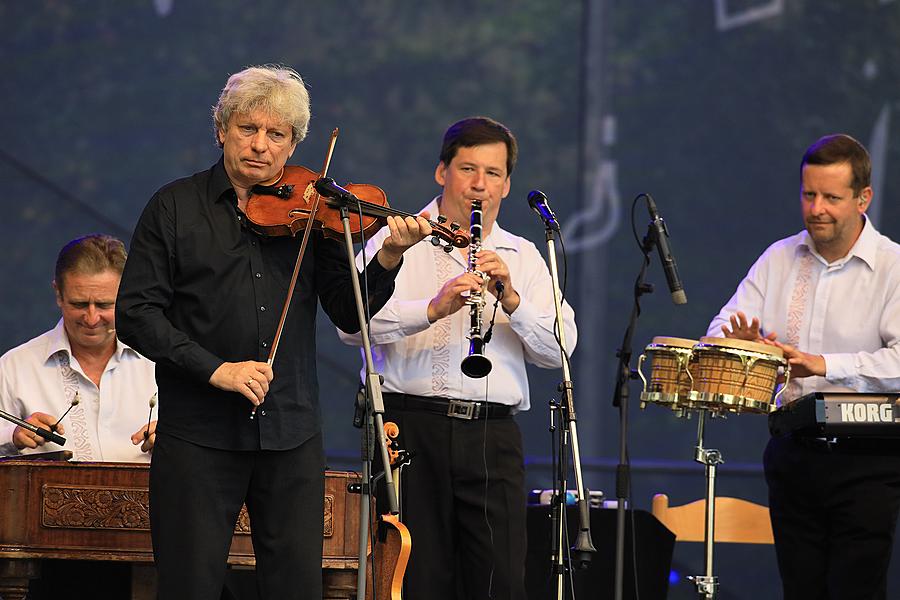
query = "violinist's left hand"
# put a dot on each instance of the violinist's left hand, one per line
(145, 436)
(405, 232)
(490, 263)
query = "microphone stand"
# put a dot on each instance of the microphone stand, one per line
(584, 547)
(44, 433)
(620, 400)
(374, 411)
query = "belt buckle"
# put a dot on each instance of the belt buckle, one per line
(463, 409)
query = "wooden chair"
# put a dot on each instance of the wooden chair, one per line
(737, 521)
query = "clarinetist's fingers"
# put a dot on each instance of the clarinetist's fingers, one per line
(491, 264)
(452, 296)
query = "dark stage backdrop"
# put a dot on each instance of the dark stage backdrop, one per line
(707, 105)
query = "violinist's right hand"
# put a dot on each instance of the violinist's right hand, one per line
(22, 438)
(249, 378)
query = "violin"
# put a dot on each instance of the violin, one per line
(284, 208)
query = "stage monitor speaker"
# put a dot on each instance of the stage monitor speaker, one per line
(650, 547)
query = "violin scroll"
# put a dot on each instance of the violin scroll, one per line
(460, 240)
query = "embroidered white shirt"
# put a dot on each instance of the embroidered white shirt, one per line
(42, 375)
(848, 311)
(419, 358)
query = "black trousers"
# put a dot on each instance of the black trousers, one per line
(195, 497)
(834, 511)
(464, 504)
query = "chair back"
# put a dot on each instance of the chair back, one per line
(737, 521)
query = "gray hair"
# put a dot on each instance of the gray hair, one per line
(276, 89)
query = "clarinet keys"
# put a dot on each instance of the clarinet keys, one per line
(476, 365)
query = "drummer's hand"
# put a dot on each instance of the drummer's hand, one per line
(802, 363)
(405, 233)
(22, 438)
(145, 436)
(743, 330)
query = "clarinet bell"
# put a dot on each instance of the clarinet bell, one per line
(476, 365)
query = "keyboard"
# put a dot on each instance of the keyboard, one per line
(840, 414)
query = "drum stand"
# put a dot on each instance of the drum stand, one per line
(707, 584)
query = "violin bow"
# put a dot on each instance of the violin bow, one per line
(310, 191)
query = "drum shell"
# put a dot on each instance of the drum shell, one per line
(671, 366)
(736, 375)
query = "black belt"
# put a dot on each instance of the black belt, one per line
(456, 409)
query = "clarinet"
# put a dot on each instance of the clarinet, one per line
(476, 364)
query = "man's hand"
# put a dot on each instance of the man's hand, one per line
(741, 329)
(802, 364)
(450, 297)
(490, 263)
(405, 233)
(249, 378)
(145, 436)
(22, 438)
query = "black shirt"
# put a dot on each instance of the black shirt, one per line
(201, 288)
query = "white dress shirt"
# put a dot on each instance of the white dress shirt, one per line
(422, 358)
(42, 375)
(848, 311)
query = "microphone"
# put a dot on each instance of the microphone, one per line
(150, 416)
(328, 188)
(538, 202)
(75, 401)
(661, 238)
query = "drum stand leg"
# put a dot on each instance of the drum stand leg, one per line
(707, 584)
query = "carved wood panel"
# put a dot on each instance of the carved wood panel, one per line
(90, 507)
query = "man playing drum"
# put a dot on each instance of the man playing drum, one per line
(829, 297)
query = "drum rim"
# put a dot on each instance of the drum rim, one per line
(674, 401)
(737, 404)
(672, 342)
(763, 350)
(662, 398)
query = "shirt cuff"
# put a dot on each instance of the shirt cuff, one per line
(377, 275)
(413, 316)
(840, 369)
(524, 316)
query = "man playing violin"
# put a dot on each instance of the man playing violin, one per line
(829, 297)
(201, 295)
(464, 498)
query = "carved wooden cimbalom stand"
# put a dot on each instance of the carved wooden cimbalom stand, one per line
(100, 511)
